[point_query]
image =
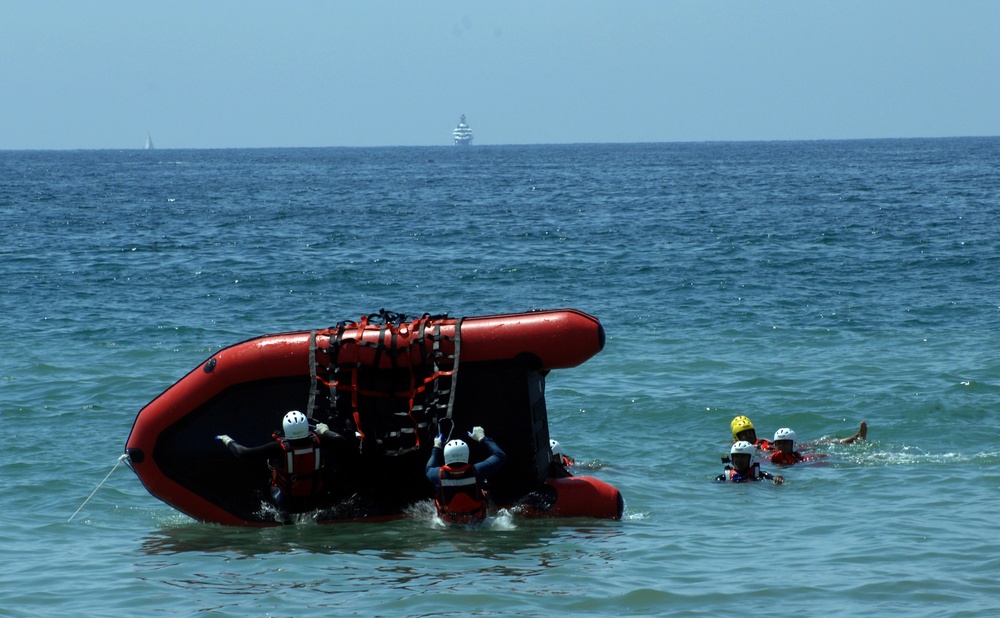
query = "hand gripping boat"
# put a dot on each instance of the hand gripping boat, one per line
(391, 382)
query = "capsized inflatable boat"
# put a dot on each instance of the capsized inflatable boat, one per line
(391, 382)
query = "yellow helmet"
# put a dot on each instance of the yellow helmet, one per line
(740, 423)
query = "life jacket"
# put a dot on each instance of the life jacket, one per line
(460, 500)
(731, 475)
(780, 457)
(297, 474)
(762, 445)
(567, 461)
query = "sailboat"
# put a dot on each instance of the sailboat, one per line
(149, 143)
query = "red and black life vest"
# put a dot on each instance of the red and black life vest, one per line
(297, 474)
(780, 457)
(460, 500)
(762, 445)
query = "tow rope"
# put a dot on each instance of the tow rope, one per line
(123, 457)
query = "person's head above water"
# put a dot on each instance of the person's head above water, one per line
(742, 455)
(295, 425)
(556, 449)
(743, 429)
(456, 451)
(784, 440)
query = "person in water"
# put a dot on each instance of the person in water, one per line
(459, 487)
(743, 429)
(784, 452)
(745, 467)
(296, 459)
(560, 462)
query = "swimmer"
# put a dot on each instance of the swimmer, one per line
(745, 468)
(559, 461)
(784, 452)
(743, 429)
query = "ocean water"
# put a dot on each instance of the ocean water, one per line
(811, 285)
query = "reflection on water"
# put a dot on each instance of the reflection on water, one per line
(381, 564)
(500, 537)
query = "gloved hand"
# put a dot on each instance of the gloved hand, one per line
(438, 440)
(322, 428)
(477, 434)
(225, 439)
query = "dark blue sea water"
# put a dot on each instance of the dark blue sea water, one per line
(805, 284)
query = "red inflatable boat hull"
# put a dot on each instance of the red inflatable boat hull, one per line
(498, 364)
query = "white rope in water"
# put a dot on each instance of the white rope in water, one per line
(123, 457)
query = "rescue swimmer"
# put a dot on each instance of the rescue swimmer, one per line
(296, 457)
(745, 467)
(784, 452)
(743, 429)
(560, 462)
(460, 487)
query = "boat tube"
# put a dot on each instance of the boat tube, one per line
(387, 382)
(573, 496)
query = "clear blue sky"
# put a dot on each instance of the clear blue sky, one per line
(254, 73)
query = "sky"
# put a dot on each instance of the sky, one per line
(101, 74)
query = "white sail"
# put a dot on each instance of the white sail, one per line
(149, 143)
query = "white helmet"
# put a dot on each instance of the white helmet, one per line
(556, 448)
(743, 448)
(456, 451)
(785, 434)
(295, 425)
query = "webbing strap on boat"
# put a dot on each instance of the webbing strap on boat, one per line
(412, 380)
(402, 433)
(333, 368)
(415, 390)
(454, 369)
(335, 375)
(379, 345)
(354, 381)
(313, 383)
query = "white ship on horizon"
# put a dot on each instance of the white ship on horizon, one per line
(462, 133)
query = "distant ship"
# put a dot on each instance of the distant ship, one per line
(462, 133)
(149, 143)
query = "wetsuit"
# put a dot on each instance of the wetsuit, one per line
(460, 490)
(730, 475)
(294, 493)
